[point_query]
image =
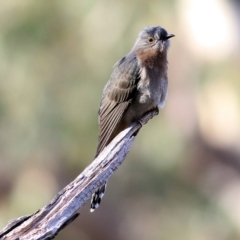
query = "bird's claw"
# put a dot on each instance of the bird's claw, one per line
(149, 115)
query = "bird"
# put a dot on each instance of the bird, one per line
(138, 84)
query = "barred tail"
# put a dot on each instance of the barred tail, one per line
(97, 197)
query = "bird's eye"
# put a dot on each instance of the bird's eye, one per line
(150, 39)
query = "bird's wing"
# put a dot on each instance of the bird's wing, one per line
(117, 95)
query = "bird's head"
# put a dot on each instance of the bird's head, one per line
(152, 41)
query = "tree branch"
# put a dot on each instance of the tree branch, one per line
(49, 220)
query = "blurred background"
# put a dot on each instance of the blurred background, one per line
(181, 179)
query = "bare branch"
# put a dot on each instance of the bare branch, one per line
(48, 221)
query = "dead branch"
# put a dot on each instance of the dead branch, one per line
(62, 209)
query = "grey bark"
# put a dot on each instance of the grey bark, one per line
(62, 209)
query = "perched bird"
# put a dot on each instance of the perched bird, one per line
(137, 85)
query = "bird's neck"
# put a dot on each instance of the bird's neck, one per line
(153, 61)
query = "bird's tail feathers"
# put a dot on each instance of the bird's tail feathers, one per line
(97, 197)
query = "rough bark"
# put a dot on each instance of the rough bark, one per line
(62, 209)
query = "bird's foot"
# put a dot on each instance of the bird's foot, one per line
(149, 115)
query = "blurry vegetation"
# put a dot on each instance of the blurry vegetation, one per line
(181, 179)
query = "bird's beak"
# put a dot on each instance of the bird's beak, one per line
(170, 36)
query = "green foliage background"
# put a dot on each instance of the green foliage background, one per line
(181, 178)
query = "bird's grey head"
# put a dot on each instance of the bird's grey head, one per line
(152, 40)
